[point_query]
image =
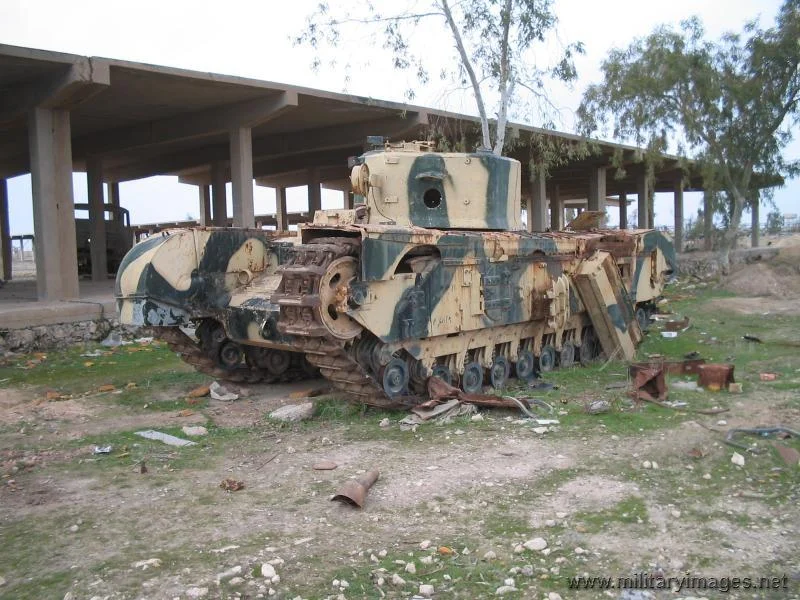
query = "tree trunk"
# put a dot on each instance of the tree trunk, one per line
(731, 234)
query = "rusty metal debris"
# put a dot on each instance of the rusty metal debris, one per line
(354, 492)
(789, 455)
(759, 431)
(684, 367)
(231, 485)
(648, 381)
(715, 376)
(767, 376)
(677, 326)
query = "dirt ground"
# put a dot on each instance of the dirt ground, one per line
(458, 506)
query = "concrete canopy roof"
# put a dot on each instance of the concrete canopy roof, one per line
(145, 120)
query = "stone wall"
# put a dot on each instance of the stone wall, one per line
(49, 337)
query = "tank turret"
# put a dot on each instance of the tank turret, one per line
(409, 184)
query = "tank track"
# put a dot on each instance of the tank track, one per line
(193, 354)
(299, 302)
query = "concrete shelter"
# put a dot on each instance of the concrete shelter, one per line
(119, 121)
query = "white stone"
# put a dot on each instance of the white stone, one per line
(276, 562)
(707, 476)
(411, 568)
(268, 571)
(425, 544)
(426, 589)
(343, 584)
(490, 555)
(722, 422)
(550, 523)
(335, 583)
(146, 564)
(236, 581)
(505, 589)
(275, 579)
(426, 560)
(382, 553)
(73, 528)
(397, 580)
(561, 515)
(509, 581)
(232, 572)
(536, 544)
(385, 422)
(380, 581)
(196, 592)
(647, 464)
(2, 581)
(676, 514)
(294, 412)
(737, 459)
(519, 548)
(540, 430)
(579, 550)
(476, 418)
(194, 430)
(553, 596)
(655, 465)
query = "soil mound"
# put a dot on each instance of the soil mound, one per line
(779, 277)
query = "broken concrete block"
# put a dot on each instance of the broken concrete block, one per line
(294, 412)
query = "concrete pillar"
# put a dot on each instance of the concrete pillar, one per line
(537, 201)
(644, 194)
(204, 199)
(708, 222)
(755, 233)
(241, 144)
(623, 210)
(314, 193)
(220, 201)
(678, 194)
(280, 209)
(597, 189)
(5, 233)
(97, 219)
(53, 206)
(556, 209)
(113, 197)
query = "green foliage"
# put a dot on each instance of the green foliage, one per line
(495, 45)
(730, 103)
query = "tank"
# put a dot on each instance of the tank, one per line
(429, 275)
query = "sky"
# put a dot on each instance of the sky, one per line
(253, 38)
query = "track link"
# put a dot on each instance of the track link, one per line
(193, 354)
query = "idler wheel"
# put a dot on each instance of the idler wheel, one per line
(498, 374)
(442, 373)
(547, 358)
(395, 378)
(472, 379)
(230, 355)
(567, 356)
(526, 365)
(333, 293)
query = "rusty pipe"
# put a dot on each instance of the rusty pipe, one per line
(354, 492)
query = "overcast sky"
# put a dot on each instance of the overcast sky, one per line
(253, 38)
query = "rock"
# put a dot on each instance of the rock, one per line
(69, 596)
(220, 392)
(236, 581)
(325, 465)
(194, 430)
(425, 544)
(561, 515)
(426, 560)
(277, 561)
(426, 590)
(654, 464)
(676, 514)
(232, 572)
(294, 412)
(73, 529)
(597, 407)
(540, 430)
(519, 548)
(579, 551)
(505, 589)
(707, 476)
(343, 584)
(397, 580)
(197, 592)
(476, 418)
(385, 422)
(737, 459)
(536, 544)
(722, 422)
(553, 596)
(550, 523)
(411, 568)
(146, 564)
(509, 581)
(490, 555)
(647, 464)
(268, 571)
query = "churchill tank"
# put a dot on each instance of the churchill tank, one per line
(431, 274)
